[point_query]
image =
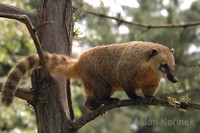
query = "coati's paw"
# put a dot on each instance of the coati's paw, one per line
(150, 98)
(135, 98)
(92, 104)
(140, 98)
(110, 100)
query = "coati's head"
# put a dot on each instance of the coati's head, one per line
(162, 58)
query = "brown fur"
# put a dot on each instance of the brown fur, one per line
(103, 70)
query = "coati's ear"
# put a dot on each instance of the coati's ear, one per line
(172, 50)
(153, 52)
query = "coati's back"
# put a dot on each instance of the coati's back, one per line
(106, 62)
(100, 62)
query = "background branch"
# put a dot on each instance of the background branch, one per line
(4, 8)
(23, 94)
(149, 26)
(24, 19)
(122, 103)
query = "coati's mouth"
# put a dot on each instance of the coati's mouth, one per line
(171, 76)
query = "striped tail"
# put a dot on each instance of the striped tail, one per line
(14, 76)
(55, 63)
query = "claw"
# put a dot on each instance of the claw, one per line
(110, 100)
(141, 98)
(150, 98)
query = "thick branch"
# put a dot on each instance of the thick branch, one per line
(23, 94)
(122, 103)
(149, 26)
(24, 19)
(4, 8)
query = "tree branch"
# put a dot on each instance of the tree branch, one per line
(4, 8)
(24, 19)
(149, 26)
(23, 94)
(122, 103)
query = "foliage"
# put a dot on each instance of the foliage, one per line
(15, 40)
(15, 43)
(17, 118)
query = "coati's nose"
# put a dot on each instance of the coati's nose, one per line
(172, 77)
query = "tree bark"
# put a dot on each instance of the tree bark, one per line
(53, 109)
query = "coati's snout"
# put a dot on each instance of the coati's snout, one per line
(171, 76)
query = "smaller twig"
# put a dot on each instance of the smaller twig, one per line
(194, 105)
(23, 94)
(24, 19)
(142, 33)
(45, 23)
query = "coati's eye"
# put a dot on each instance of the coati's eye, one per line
(164, 67)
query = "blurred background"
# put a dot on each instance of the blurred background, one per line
(96, 29)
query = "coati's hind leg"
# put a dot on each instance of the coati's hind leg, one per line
(97, 93)
(91, 103)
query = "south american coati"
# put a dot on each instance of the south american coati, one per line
(104, 70)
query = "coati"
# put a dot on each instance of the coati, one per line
(104, 70)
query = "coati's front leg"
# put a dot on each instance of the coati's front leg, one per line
(130, 91)
(149, 92)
